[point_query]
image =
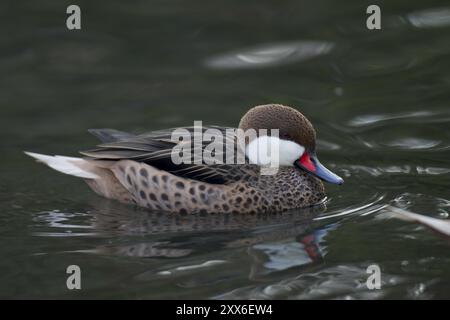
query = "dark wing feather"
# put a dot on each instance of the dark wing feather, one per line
(155, 149)
(110, 135)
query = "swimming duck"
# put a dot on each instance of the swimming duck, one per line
(139, 169)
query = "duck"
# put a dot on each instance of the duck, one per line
(140, 169)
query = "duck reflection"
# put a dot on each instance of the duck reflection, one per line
(274, 241)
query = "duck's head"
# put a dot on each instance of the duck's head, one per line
(296, 140)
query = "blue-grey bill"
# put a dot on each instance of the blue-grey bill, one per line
(321, 172)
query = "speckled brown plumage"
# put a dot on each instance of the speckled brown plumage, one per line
(159, 190)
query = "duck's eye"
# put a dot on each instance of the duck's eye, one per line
(286, 136)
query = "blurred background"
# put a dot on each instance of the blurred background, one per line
(379, 100)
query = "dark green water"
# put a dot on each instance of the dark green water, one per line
(380, 102)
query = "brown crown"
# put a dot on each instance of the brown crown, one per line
(292, 124)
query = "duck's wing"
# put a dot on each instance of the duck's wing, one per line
(155, 148)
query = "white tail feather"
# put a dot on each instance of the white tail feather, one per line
(67, 165)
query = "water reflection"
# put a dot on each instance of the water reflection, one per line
(430, 18)
(105, 220)
(369, 119)
(335, 282)
(142, 250)
(413, 143)
(327, 145)
(206, 264)
(432, 170)
(268, 55)
(357, 170)
(406, 144)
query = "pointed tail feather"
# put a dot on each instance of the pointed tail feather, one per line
(73, 166)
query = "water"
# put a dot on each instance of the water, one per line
(378, 99)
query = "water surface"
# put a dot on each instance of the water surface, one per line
(378, 99)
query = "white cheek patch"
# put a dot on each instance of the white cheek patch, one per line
(290, 152)
(273, 151)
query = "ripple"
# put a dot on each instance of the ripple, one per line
(374, 172)
(369, 119)
(404, 144)
(268, 55)
(432, 170)
(363, 209)
(65, 220)
(64, 234)
(430, 18)
(206, 264)
(419, 292)
(143, 250)
(423, 202)
(391, 169)
(413, 143)
(335, 282)
(395, 169)
(327, 145)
